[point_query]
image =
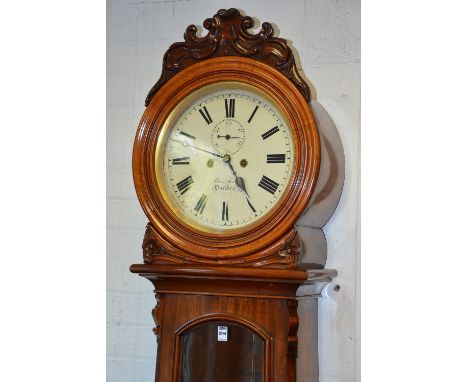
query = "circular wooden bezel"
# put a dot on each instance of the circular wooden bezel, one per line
(265, 232)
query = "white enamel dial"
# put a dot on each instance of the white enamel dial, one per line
(227, 159)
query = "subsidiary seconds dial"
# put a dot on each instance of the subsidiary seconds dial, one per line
(227, 159)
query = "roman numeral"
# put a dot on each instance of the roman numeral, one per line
(230, 109)
(225, 214)
(276, 158)
(183, 160)
(253, 113)
(187, 135)
(201, 204)
(268, 185)
(250, 205)
(270, 132)
(206, 116)
(185, 184)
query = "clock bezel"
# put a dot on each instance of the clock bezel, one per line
(263, 232)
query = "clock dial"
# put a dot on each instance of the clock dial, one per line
(227, 159)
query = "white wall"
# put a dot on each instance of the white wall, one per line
(326, 37)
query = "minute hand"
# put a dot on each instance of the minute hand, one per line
(185, 144)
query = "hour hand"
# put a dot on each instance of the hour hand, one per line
(240, 183)
(239, 180)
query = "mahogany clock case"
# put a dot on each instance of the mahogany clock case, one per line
(249, 280)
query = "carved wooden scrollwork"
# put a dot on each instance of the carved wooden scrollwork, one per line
(157, 314)
(293, 340)
(291, 250)
(152, 250)
(228, 35)
(293, 320)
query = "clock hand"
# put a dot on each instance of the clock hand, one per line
(185, 144)
(239, 180)
(226, 158)
(227, 136)
(240, 183)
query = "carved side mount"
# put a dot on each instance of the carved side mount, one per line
(228, 36)
(283, 254)
(293, 340)
(293, 320)
(157, 315)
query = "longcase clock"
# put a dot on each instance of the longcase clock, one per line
(226, 159)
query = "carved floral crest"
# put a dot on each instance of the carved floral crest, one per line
(228, 35)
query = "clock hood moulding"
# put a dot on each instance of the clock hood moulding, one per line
(228, 38)
(228, 35)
